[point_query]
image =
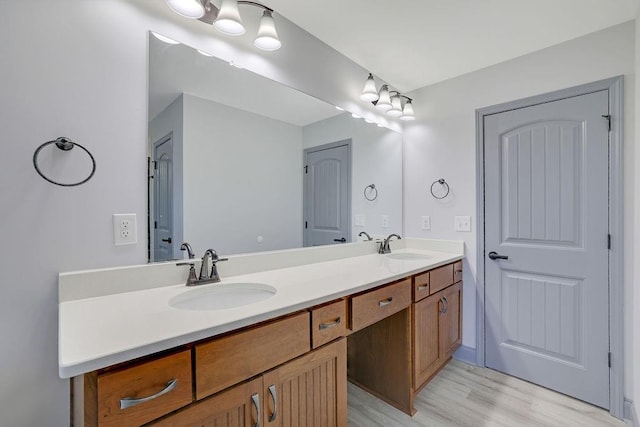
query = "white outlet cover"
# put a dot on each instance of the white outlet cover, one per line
(359, 220)
(384, 221)
(125, 230)
(425, 222)
(462, 223)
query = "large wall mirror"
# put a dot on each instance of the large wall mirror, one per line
(241, 163)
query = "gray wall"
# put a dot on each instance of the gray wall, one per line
(79, 68)
(442, 141)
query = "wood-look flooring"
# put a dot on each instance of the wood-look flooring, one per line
(465, 395)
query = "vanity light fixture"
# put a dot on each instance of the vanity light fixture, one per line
(227, 19)
(388, 101)
(164, 39)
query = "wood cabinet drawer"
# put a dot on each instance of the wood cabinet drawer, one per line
(457, 271)
(229, 360)
(328, 322)
(440, 278)
(420, 286)
(372, 306)
(126, 397)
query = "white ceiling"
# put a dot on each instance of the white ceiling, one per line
(414, 43)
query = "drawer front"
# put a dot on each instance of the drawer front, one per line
(420, 286)
(229, 360)
(368, 308)
(141, 393)
(457, 271)
(440, 278)
(328, 323)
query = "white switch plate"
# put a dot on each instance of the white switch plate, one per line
(125, 229)
(384, 221)
(426, 222)
(462, 223)
(359, 220)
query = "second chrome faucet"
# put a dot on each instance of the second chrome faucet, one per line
(206, 275)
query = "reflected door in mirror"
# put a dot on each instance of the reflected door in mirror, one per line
(163, 199)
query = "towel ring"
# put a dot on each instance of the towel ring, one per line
(442, 182)
(373, 189)
(65, 144)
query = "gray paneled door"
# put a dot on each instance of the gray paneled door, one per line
(163, 200)
(546, 209)
(327, 199)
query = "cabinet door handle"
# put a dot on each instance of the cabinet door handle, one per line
(255, 399)
(385, 302)
(446, 305)
(441, 311)
(423, 287)
(128, 402)
(331, 324)
(272, 393)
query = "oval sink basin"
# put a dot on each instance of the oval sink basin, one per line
(408, 256)
(221, 296)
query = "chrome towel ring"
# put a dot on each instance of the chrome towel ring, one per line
(65, 144)
(372, 194)
(444, 184)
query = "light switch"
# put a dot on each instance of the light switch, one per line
(359, 220)
(462, 223)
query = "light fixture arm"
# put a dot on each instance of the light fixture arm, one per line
(211, 10)
(256, 4)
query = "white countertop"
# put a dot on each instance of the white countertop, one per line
(105, 330)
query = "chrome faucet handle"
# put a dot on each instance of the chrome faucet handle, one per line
(192, 278)
(215, 277)
(187, 247)
(204, 268)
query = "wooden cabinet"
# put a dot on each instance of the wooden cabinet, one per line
(328, 322)
(437, 326)
(308, 391)
(373, 306)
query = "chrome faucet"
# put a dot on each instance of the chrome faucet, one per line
(187, 247)
(364, 233)
(205, 276)
(384, 245)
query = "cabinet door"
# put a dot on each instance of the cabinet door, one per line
(451, 333)
(428, 356)
(239, 406)
(309, 391)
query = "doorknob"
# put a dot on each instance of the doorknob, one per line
(343, 240)
(167, 240)
(494, 256)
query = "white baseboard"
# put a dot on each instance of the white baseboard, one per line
(630, 415)
(466, 354)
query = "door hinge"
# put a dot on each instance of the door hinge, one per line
(609, 358)
(155, 224)
(306, 225)
(306, 169)
(155, 165)
(609, 241)
(608, 117)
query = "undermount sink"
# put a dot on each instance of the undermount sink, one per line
(221, 296)
(408, 256)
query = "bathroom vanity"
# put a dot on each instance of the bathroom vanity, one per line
(388, 323)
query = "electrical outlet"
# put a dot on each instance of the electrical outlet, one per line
(124, 229)
(462, 223)
(426, 223)
(384, 221)
(359, 220)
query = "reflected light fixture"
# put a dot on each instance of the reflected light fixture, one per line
(164, 38)
(389, 101)
(227, 19)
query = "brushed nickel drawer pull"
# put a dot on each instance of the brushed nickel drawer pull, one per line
(385, 302)
(446, 304)
(331, 324)
(255, 399)
(128, 402)
(423, 287)
(272, 393)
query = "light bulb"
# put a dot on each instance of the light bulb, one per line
(369, 92)
(267, 38)
(396, 107)
(228, 20)
(384, 101)
(188, 8)
(407, 112)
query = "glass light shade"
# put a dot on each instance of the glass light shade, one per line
(228, 20)
(384, 100)
(355, 116)
(203, 53)
(267, 38)
(396, 107)
(369, 92)
(407, 112)
(188, 8)
(164, 38)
